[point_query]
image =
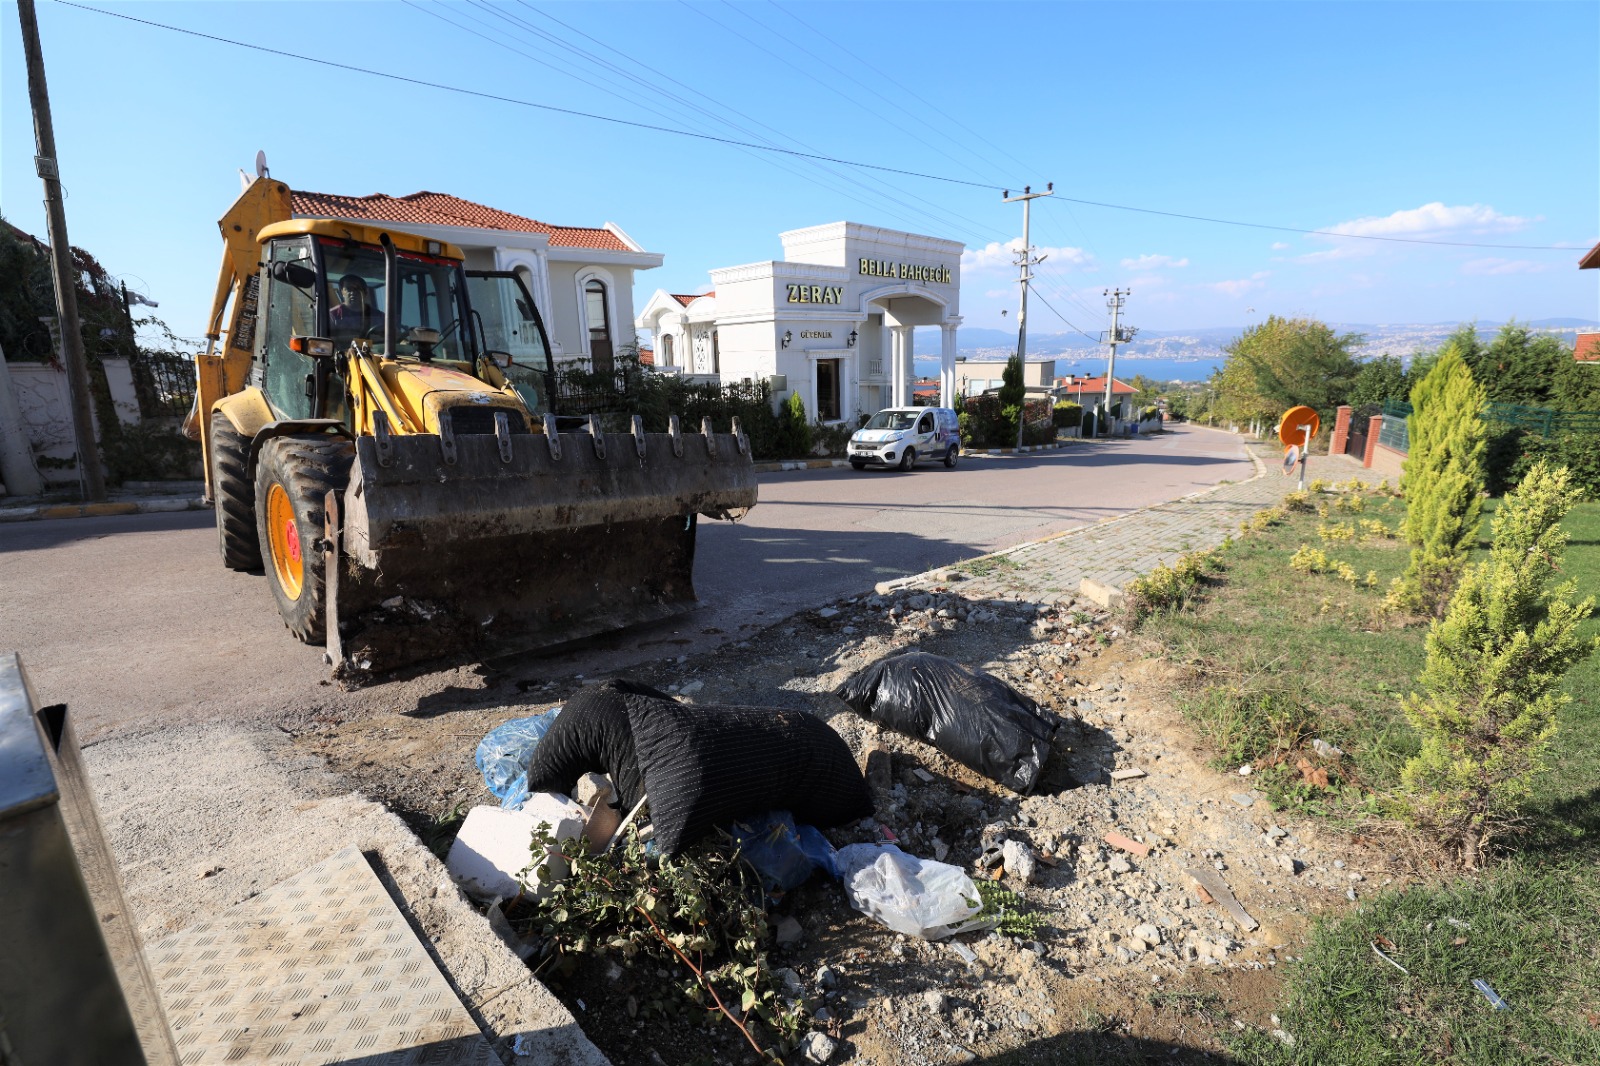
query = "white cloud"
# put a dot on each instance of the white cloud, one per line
(1434, 218)
(996, 256)
(1240, 286)
(1153, 262)
(1354, 250)
(1278, 246)
(1491, 265)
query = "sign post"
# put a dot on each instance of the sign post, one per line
(1299, 425)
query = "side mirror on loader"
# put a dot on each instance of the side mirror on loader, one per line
(301, 277)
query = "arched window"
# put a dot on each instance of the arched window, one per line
(597, 313)
(666, 349)
(716, 354)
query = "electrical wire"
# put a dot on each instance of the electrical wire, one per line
(482, 95)
(1032, 288)
(885, 203)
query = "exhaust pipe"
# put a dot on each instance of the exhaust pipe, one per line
(391, 296)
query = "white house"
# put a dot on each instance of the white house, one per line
(832, 320)
(974, 376)
(581, 277)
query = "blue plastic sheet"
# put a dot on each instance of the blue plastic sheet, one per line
(503, 756)
(784, 854)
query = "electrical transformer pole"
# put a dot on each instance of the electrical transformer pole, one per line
(61, 259)
(1025, 259)
(1117, 336)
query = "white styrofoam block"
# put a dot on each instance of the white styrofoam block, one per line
(493, 845)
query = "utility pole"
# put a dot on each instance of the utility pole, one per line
(1118, 335)
(1025, 259)
(44, 161)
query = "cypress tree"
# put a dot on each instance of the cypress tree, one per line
(1490, 686)
(1442, 481)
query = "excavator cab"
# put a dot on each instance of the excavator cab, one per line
(381, 438)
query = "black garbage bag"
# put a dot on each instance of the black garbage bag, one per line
(592, 735)
(976, 719)
(710, 766)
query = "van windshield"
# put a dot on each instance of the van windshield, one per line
(892, 420)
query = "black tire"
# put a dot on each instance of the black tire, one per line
(859, 464)
(909, 459)
(950, 457)
(233, 497)
(304, 469)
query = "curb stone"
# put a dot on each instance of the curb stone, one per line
(148, 505)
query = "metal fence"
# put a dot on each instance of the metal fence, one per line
(1393, 433)
(582, 392)
(1544, 421)
(164, 382)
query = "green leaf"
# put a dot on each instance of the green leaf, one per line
(748, 1000)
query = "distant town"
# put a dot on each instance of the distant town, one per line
(1190, 355)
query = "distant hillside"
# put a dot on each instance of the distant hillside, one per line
(1191, 355)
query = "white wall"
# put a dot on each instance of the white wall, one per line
(46, 405)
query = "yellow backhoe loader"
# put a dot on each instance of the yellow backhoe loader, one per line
(380, 437)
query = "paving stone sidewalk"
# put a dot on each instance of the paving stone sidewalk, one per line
(1118, 550)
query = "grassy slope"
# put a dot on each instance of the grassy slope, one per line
(1283, 657)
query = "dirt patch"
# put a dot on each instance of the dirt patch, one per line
(1134, 959)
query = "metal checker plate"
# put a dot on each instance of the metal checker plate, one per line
(317, 970)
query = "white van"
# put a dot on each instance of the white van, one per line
(904, 436)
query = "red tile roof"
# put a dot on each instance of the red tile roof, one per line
(687, 298)
(1095, 384)
(441, 209)
(1592, 260)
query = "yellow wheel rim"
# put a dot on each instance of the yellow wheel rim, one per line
(283, 536)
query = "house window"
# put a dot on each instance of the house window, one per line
(716, 354)
(599, 318)
(666, 349)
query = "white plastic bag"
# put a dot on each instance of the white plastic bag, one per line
(918, 897)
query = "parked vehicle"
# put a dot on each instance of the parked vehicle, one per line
(905, 436)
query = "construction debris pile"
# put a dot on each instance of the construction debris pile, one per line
(1144, 865)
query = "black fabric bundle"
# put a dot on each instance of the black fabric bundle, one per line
(700, 766)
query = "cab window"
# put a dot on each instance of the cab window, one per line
(926, 425)
(290, 313)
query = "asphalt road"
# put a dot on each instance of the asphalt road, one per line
(134, 622)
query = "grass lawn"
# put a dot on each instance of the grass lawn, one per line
(1280, 658)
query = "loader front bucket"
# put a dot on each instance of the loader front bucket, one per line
(497, 543)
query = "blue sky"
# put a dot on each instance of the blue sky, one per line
(1475, 123)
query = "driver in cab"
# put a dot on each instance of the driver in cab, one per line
(355, 314)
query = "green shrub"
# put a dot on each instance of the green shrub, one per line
(796, 432)
(150, 451)
(1067, 415)
(1578, 452)
(1168, 588)
(1442, 482)
(1489, 699)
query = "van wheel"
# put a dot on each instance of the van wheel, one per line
(909, 459)
(950, 457)
(859, 464)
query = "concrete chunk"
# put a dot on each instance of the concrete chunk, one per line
(494, 846)
(1107, 596)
